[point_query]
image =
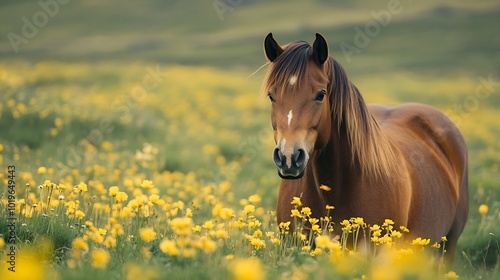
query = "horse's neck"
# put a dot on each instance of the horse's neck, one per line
(334, 167)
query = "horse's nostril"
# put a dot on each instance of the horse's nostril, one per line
(300, 158)
(277, 157)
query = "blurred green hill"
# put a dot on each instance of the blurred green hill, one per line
(441, 36)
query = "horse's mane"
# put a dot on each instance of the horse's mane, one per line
(370, 147)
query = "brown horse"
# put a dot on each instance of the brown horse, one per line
(407, 162)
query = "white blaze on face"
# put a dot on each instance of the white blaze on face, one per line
(289, 116)
(287, 152)
(293, 80)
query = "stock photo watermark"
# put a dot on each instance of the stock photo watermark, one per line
(31, 26)
(11, 219)
(364, 35)
(224, 6)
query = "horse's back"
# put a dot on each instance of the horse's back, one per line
(436, 158)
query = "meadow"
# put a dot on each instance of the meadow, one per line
(153, 160)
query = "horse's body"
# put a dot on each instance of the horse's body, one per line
(407, 162)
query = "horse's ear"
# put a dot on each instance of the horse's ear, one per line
(272, 48)
(320, 50)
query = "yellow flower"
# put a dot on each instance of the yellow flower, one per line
(444, 239)
(208, 245)
(110, 242)
(79, 214)
(154, 198)
(247, 269)
(82, 187)
(316, 252)
(296, 201)
(450, 275)
(208, 225)
(100, 258)
(226, 213)
(420, 241)
(436, 245)
(2, 242)
(306, 211)
(404, 229)
(322, 241)
(257, 243)
(80, 244)
(329, 207)
(113, 191)
(483, 209)
(254, 198)
(147, 234)
(121, 196)
(296, 213)
(147, 184)
(42, 170)
(168, 247)
(325, 188)
(249, 208)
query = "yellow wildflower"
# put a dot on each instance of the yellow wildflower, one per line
(80, 244)
(113, 191)
(82, 187)
(247, 269)
(147, 234)
(254, 198)
(249, 208)
(2, 242)
(208, 225)
(296, 213)
(444, 239)
(42, 170)
(306, 211)
(436, 245)
(325, 188)
(483, 209)
(79, 214)
(100, 258)
(168, 247)
(451, 275)
(147, 184)
(110, 242)
(296, 201)
(329, 207)
(121, 196)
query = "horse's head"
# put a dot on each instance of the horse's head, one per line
(297, 85)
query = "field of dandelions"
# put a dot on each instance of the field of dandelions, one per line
(154, 172)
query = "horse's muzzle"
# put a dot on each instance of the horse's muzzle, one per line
(292, 167)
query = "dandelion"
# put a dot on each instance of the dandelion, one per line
(325, 188)
(100, 258)
(121, 196)
(322, 241)
(226, 213)
(329, 207)
(147, 234)
(483, 209)
(257, 243)
(316, 252)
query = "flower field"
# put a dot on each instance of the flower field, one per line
(164, 172)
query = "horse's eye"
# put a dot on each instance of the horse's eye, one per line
(320, 96)
(270, 97)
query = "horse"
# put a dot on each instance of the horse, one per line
(405, 162)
